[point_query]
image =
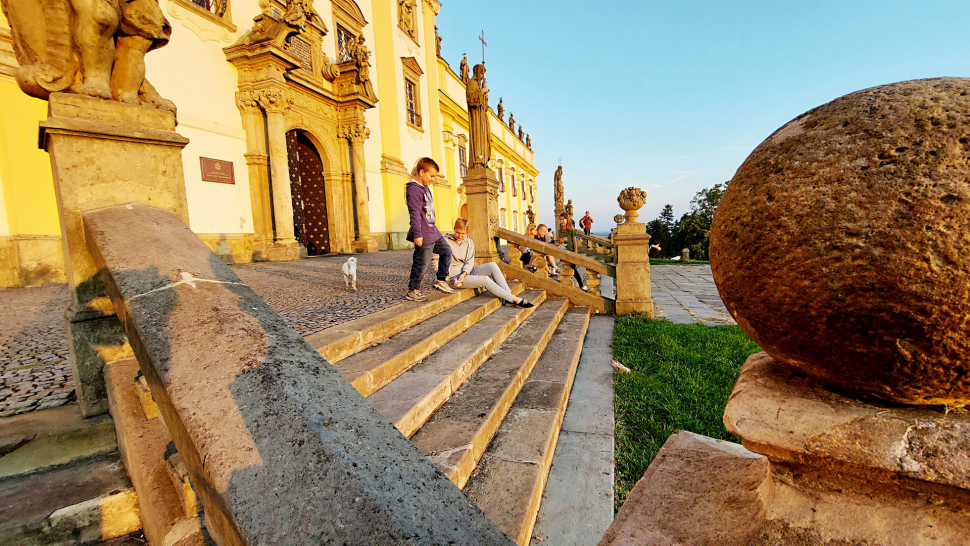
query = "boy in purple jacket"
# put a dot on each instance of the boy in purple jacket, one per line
(423, 233)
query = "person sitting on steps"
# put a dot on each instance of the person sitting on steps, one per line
(465, 273)
(527, 256)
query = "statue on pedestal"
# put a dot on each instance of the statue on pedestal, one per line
(511, 122)
(501, 109)
(521, 133)
(437, 41)
(528, 142)
(362, 59)
(480, 143)
(557, 189)
(463, 69)
(531, 215)
(569, 212)
(97, 50)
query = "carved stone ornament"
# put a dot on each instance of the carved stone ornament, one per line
(274, 101)
(95, 49)
(437, 41)
(476, 93)
(619, 219)
(407, 17)
(355, 133)
(463, 69)
(630, 200)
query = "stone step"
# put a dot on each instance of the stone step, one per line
(373, 368)
(43, 440)
(338, 342)
(458, 433)
(409, 400)
(511, 476)
(143, 442)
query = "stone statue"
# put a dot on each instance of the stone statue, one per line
(361, 58)
(501, 109)
(511, 122)
(557, 187)
(480, 137)
(90, 48)
(463, 69)
(528, 142)
(437, 41)
(521, 133)
(569, 211)
(405, 16)
(531, 215)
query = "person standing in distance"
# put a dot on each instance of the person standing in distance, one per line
(423, 233)
(586, 222)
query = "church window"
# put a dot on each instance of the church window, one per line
(501, 219)
(412, 92)
(501, 179)
(523, 188)
(532, 194)
(216, 11)
(513, 185)
(462, 161)
(515, 221)
(344, 37)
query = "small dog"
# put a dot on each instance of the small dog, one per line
(350, 273)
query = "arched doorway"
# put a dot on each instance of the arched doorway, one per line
(310, 222)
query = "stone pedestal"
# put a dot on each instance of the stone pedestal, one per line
(819, 469)
(481, 190)
(633, 269)
(365, 242)
(105, 153)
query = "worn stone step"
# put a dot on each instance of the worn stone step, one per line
(458, 433)
(409, 400)
(143, 442)
(42, 440)
(338, 342)
(81, 502)
(374, 367)
(511, 476)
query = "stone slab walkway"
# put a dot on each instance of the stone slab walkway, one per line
(310, 295)
(685, 294)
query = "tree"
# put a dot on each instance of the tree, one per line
(667, 218)
(661, 229)
(693, 230)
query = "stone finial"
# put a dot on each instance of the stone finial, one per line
(619, 219)
(87, 53)
(630, 200)
(840, 244)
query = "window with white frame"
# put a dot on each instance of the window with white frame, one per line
(501, 219)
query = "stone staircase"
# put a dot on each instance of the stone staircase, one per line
(479, 387)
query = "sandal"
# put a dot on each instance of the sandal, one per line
(525, 304)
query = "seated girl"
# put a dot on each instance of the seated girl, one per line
(463, 271)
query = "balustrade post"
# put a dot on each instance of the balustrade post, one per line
(632, 257)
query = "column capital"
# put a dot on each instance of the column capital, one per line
(357, 132)
(246, 102)
(274, 101)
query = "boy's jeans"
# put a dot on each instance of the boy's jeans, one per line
(422, 257)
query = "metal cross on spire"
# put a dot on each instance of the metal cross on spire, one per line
(482, 38)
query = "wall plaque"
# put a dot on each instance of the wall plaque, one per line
(217, 170)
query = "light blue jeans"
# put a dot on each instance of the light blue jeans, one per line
(489, 277)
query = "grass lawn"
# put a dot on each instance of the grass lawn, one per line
(658, 261)
(681, 378)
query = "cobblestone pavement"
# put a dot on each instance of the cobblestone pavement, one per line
(685, 294)
(35, 370)
(310, 295)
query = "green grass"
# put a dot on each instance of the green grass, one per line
(681, 378)
(658, 261)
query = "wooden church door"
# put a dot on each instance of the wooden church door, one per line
(309, 194)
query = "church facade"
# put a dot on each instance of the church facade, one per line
(304, 119)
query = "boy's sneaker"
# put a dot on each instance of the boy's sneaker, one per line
(443, 286)
(416, 295)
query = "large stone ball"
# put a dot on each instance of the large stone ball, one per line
(842, 244)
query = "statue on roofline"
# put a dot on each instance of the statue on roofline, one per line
(511, 122)
(480, 136)
(528, 142)
(463, 69)
(521, 133)
(89, 48)
(501, 109)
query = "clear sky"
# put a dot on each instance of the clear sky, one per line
(671, 96)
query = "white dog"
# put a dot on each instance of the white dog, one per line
(350, 273)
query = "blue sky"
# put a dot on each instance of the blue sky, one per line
(671, 96)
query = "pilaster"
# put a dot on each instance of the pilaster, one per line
(275, 102)
(356, 134)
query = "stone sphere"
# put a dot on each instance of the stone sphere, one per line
(842, 244)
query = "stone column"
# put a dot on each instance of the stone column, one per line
(632, 257)
(257, 163)
(357, 134)
(481, 193)
(105, 153)
(275, 102)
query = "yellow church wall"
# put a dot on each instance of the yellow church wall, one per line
(30, 247)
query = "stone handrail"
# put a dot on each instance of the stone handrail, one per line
(280, 448)
(596, 240)
(556, 252)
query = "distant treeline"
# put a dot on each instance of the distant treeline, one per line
(692, 231)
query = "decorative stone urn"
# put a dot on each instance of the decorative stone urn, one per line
(630, 200)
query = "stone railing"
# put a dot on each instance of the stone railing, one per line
(565, 286)
(595, 246)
